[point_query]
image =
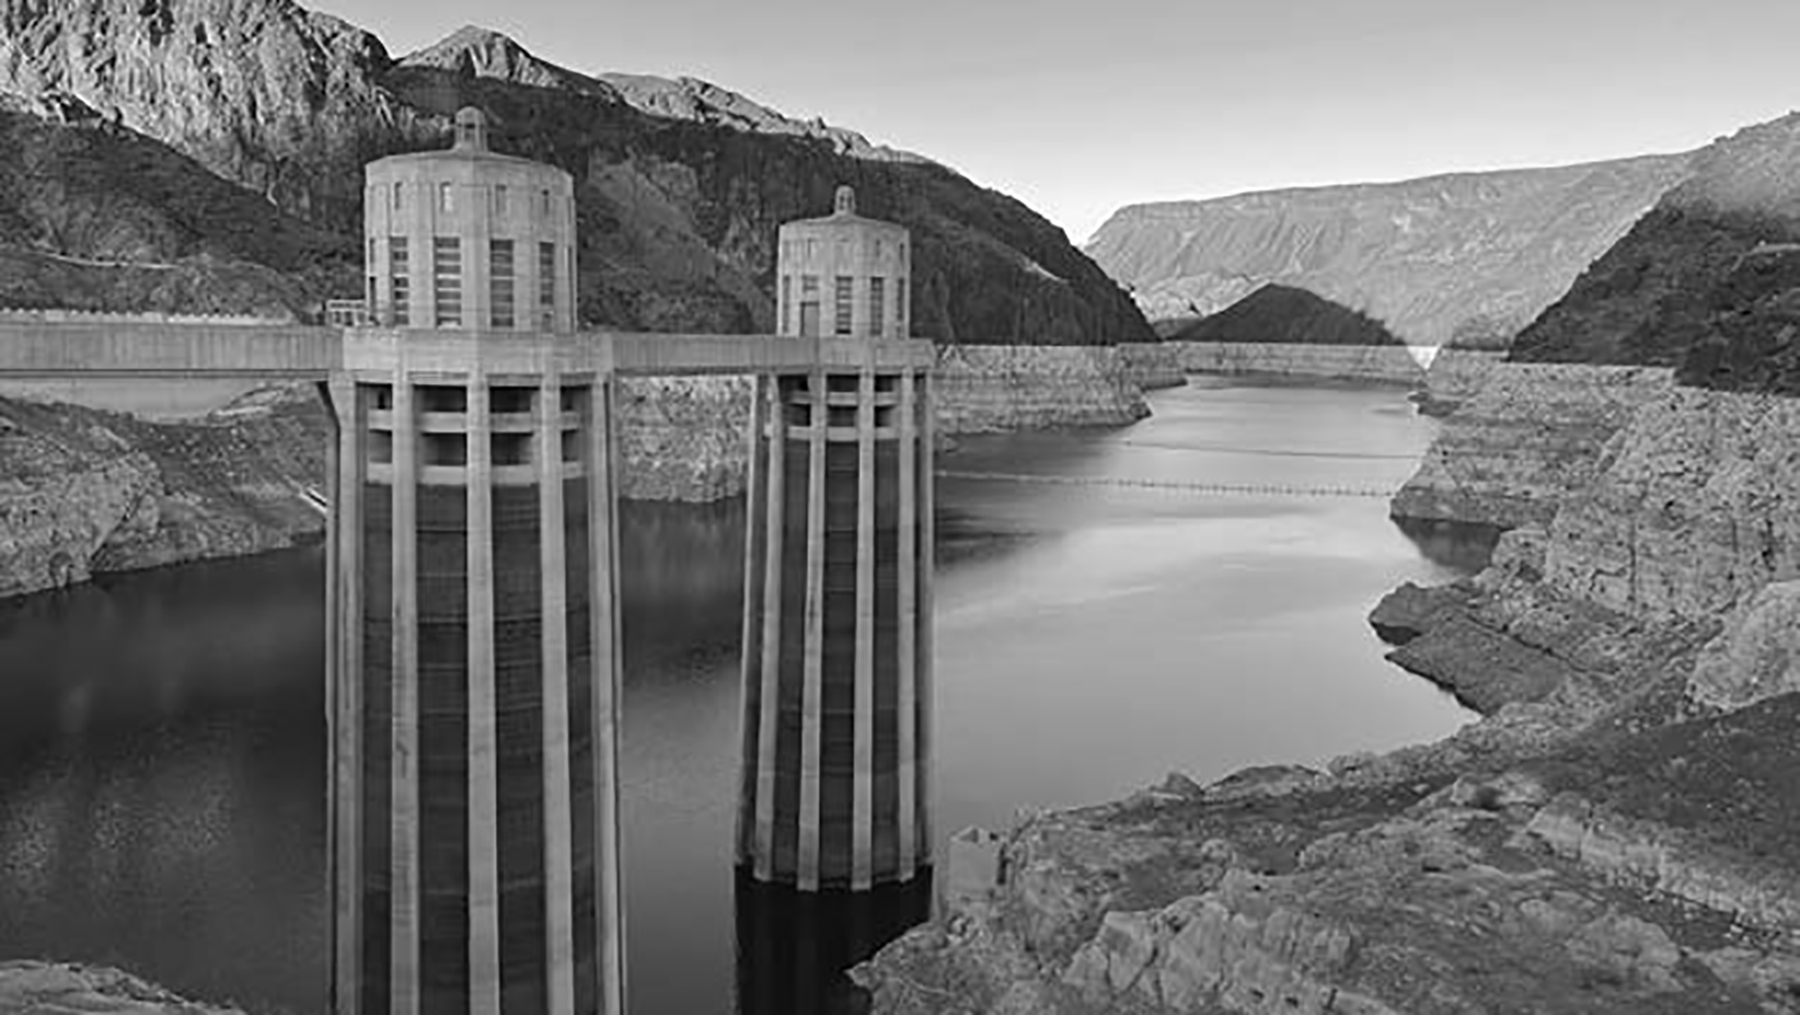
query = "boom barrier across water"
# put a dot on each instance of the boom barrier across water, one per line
(1174, 486)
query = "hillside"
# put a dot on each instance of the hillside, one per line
(1460, 256)
(1280, 314)
(1708, 282)
(679, 183)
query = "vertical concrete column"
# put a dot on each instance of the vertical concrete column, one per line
(907, 412)
(927, 788)
(344, 566)
(603, 543)
(750, 641)
(559, 870)
(774, 519)
(484, 763)
(812, 692)
(862, 830)
(405, 816)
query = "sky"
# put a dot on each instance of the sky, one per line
(1079, 107)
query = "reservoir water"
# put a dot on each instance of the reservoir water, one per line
(162, 736)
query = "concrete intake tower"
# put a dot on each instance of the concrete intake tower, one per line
(837, 632)
(475, 676)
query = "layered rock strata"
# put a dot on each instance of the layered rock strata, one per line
(1152, 365)
(1387, 364)
(982, 389)
(1544, 885)
(1527, 436)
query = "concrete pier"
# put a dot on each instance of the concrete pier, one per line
(837, 663)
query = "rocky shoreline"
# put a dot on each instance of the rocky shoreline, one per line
(1616, 834)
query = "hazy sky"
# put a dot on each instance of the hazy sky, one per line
(1080, 107)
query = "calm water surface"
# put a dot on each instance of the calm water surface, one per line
(162, 737)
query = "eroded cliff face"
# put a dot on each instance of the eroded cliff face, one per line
(1473, 255)
(1528, 435)
(84, 492)
(982, 389)
(1692, 508)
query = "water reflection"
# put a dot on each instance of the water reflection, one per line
(790, 943)
(1461, 546)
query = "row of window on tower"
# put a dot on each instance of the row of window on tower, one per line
(843, 305)
(447, 283)
(498, 197)
(809, 248)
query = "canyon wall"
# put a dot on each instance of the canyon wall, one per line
(1456, 256)
(1528, 434)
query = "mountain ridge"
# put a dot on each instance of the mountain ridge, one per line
(1440, 258)
(680, 183)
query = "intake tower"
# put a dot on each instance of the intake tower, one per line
(474, 677)
(837, 633)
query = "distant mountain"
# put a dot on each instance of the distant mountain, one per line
(1279, 314)
(680, 184)
(1466, 256)
(1708, 282)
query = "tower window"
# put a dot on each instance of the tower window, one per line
(500, 283)
(500, 199)
(399, 279)
(877, 293)
(809, 305)
(900, 305)
(547, 275)
(841, 304)
(786, 309)
(546, 203)
(446, 256)
(397, 186)
(445, 201)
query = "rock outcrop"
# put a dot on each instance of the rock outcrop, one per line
(1691, 508)
(1458, 256)
(1557, 883)
(84, 492)
(44, 988)
(1757, 656)
(1527, 436)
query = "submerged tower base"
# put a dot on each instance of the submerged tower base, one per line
(837, 641)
